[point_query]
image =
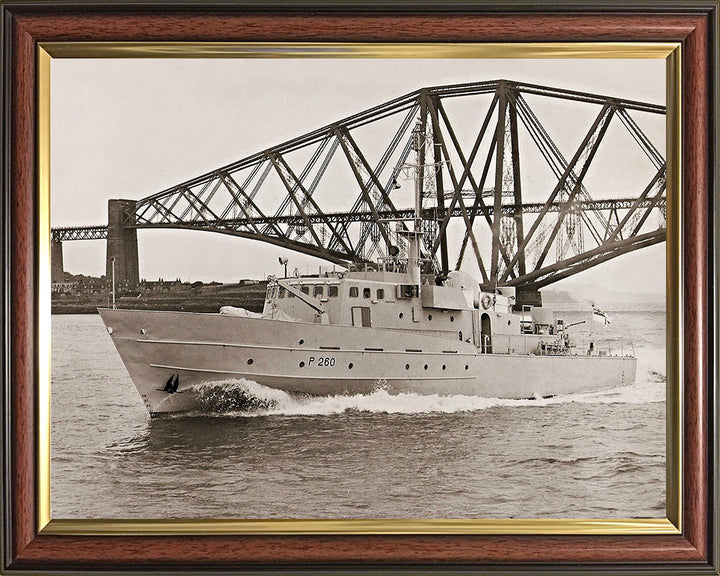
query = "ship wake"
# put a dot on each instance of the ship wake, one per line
(245, 398)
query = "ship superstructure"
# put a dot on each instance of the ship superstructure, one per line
(351, 333)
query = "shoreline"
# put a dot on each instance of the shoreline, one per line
(206, 298)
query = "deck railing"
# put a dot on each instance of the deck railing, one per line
(500, 344)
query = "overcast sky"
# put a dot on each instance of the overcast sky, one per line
(128, 128)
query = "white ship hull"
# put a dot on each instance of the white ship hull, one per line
(325, 359)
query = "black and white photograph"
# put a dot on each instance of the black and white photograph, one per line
(358, 288)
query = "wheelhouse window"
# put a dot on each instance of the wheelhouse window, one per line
(305, 289)
(354, 291)
(366, 292)
(381, 293)
(318, 290)
(407, 291)
(332, 291)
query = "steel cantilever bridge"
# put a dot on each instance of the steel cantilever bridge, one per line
(344, 192)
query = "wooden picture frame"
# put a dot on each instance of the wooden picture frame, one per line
(29, 547)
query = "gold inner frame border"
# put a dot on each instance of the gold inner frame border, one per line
(670, 52)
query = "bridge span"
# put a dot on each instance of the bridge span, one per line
(498, 197)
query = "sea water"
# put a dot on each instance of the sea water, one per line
(253, 452)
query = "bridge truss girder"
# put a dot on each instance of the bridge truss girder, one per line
(79, 233)
(243, 225)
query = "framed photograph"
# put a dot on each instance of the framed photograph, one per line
(320, 288)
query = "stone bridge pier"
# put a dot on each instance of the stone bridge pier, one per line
(122, 245)
(57, 273)
(527, 296)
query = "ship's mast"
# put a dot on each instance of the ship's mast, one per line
(414, 248)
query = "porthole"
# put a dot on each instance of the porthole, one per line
(350, 366)
(429, 316)
(142, 331)
(466, 366)
(425, 367)
(452, 318)
(301, 341)
(401, 315)
(509, 322)
(302, 364)
(250, 361)
(407, 366)
(444, 367)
